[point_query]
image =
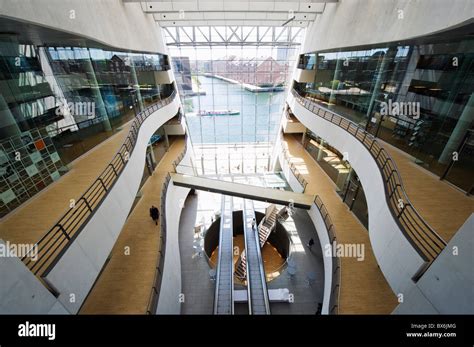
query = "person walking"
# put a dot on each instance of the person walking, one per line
(310, 243)
(154, 214)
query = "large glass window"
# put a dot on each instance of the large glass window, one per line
(415, 96)
(233, 97)
(56, 103)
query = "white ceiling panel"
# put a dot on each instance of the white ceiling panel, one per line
(262, 6)
(252, 12)
(282, 16)
(286, 6)
(185, 5)
(213, 15)
(217, 5)
(254, 15)
(237, 6)
(158, 6)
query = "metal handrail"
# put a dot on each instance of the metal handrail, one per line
(336, 261)
(49, 249)
(421, 236)
(178, 160)
(155, 289)
(295, 171)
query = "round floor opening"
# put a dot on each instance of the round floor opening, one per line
(274, 252)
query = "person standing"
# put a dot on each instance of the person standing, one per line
(154, 214)
(310, 243)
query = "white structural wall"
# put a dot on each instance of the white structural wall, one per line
(111, 22)
(21, 292)
(447, 287)
(76, 271)
(169, 295)
(349, 23)
(397, 258)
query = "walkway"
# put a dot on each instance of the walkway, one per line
(364, 289)
(242, 190)
(33, 219)
(124, 285)
(442, 206)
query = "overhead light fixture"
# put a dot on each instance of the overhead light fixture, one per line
(288, 21)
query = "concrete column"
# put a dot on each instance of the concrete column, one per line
(138, 94)
(152, 155)
(97, 95)
(303, 137)
(380, 73)
(167, 142)
(332, 97)
(462, 126)
(320, 151)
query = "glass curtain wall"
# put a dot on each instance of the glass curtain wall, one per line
(233, 99)
(113, 85)
(56, 103)
(417, 97)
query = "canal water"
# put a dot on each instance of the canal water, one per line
(258, 121)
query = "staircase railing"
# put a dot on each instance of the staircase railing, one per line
(421, 236)
(49, 249)
(242, 259)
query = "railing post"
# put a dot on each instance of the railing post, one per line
(401, 211)
(63, 231)
(121, 158)
(113, 168)
(87, 204)
(102, 182)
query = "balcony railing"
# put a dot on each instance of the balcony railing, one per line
(181, 155)
(155, 289)
(336, 261)
(295, 171)
(417, 231)
(49, 249)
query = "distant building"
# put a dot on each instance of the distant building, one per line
(263, 72)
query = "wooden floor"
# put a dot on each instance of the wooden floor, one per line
(32, 220)
(125, 284)
(363, 286)
(442, 206)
